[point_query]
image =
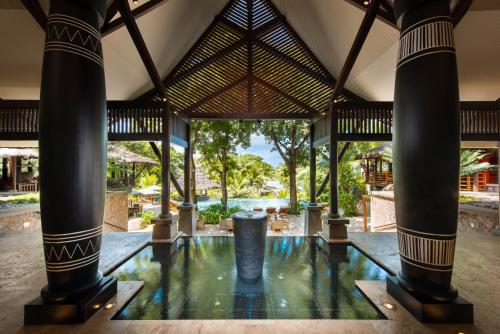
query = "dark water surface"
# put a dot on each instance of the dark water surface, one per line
(303, 278)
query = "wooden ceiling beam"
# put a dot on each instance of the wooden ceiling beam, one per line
(210, 60)
(385, 16)
(289, 60)
(248, 116)
(33, 6)
(292, 99)
(213, 95)
(135, 34)
(460, 10)
(136, 13)
(110, 13)
(363, 31)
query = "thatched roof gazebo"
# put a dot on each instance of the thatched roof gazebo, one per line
(203, 182)
(377, 165)
(119, 155)
(17, 174)
(123, 155)
(7, 152)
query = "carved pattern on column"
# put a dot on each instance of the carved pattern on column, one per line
(432, 35)
(427, 250)
(71, 251)
(69, 34)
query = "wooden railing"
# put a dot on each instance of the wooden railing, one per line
(383, 178)
(19, 120)
(129, 122)
(480, 120)
(126, 120)
(373, 121)
(27, 187)
(359, 120)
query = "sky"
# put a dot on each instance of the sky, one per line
(260, 147)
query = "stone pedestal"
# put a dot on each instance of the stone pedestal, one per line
(187, 219)
(312, 220)
(335, 229)
(165, 229)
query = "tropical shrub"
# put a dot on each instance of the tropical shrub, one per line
(347, 204)
(214, 213)
(21, 199)
(147, 216)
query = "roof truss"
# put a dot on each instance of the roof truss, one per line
(249, 63)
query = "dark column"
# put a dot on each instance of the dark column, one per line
(312, 216)
(312, 167)
(187, 221)
(334, 226)
(72, 146)
(13, 172)
(5, 170)
(165, 168)
(334, 197)
(165, 225)
(427, 132)
(187, 167)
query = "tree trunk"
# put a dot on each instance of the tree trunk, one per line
(292, 171)
(223, 183)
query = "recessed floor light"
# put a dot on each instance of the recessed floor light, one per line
(389, 306)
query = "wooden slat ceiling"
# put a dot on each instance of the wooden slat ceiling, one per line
(250, 64)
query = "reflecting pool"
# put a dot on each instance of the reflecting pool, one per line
(303, 278)
(248, 203)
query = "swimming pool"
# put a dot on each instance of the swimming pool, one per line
(248, 203)
(303, 278)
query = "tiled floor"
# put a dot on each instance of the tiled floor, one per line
(476, 275)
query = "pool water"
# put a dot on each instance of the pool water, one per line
(303, 278)
(247, 203)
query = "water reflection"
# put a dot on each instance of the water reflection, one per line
(303, 278)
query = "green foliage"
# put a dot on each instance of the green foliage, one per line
(217, 144)
(144, 149)
(147, 216)
(469, 162)
(249, 176)
(30, 198)
(148, 180)
(289, 138)
(347, 203)
(214, 213)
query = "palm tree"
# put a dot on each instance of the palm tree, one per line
(469, 164)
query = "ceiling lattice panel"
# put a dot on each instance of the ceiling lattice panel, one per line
(249, 50)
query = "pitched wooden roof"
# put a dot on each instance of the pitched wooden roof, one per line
(250, 63)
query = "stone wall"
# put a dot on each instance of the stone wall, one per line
(116, 211)
(383, 215)
(382, 212)
(477, 219)
(26, 218)
(21, 219)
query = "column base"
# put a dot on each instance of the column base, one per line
(335, 229)
(165, 228)
(40, 312)
(187, 219)
(428, 310)
(312, 220)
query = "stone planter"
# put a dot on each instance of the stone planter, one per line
(250, 230)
